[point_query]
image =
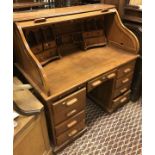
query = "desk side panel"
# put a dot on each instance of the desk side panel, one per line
(120, 35)
(28, 62)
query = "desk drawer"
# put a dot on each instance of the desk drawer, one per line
(70, 123)
(121, 100)
(93, 33)
(95, 41)
(97, 81)
(37, 48)
(126, 69)
(122, 90)
(68, 135)
(124, 80)
(69, 106)
(49, 45)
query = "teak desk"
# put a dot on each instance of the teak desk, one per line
(66, 53)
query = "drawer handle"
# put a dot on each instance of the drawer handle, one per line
(71, 102)
(96, 83)
(125, 80)
(123, 99)
(72, 133)
(39, 20)
(71, 112)
(110, 76)
(123, 90)
(72, 123)
(127, 70)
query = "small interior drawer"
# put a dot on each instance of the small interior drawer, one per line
(124, 80)
(46, 54)
(89, 42)
(98, 80)
(126, 69)
(121, 100)
(70, 123)
(121, 90)
(69, 134)
(49, 45)
(93, 33)
(69, 106)
(37, 48)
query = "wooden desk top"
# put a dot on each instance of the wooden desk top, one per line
(23, 16)
(82, 66)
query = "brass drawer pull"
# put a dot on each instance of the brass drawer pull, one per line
(123, 99)
(39, 20)
(71, 102)
(125, 80)
(71, 112)
(123, 90)
(72, 133)
(127, 70)
(110, 76)
(69, 125)
(96, 83)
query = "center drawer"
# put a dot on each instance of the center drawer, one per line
(70, 123)
(69, 106)
(100, 79)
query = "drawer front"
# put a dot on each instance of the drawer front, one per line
(95, 41)
(69, 106)
(46, 54)
(126, 69)
(93, 34)
(70, 123)
(124, 80)
(121, 90)
(97, 81)
(121, 100)
(37, 48)
(68, 135)
(49, 45)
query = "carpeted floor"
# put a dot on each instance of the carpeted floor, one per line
(115, 134)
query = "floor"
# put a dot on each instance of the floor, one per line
(115, 134)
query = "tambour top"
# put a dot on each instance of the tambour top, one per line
(31, 15)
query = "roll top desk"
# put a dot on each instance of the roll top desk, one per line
(70, 53)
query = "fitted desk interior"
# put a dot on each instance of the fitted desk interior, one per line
(72, 53)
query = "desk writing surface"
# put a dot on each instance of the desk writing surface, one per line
(82, 66)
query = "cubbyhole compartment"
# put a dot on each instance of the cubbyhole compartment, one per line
(43, 44)
(93, 32)
(69, 36)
